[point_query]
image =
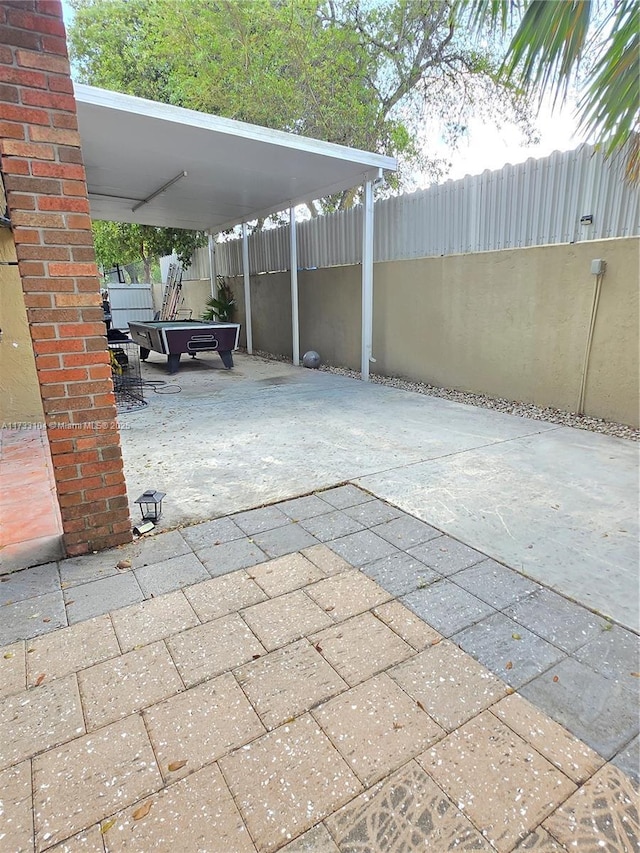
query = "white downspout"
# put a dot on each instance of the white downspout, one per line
(367, 281)
(247, 287)
(295, 316)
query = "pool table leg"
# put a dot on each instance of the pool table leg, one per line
(227, 358)
(173, 360)
(144, 354)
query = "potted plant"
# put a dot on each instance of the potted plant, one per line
(223, 306)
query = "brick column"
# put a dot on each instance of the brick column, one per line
(44, 177)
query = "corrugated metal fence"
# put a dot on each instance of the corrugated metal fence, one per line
(530, 204)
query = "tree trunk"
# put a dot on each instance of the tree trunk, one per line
(133, 272)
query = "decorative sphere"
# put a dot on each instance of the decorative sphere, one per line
(311, 359)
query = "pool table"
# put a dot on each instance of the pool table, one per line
(173, 337)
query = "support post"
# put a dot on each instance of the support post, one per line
(212, 266)
(295, 317)
(367, 281)
(247, 287)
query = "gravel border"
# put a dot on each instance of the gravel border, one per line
(483, 401)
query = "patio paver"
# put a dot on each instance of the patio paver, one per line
(497, 779)
(372, 512)
(38, 719)
(229, 556)
(564, 751)
(32, 617)
(135, 680)
(593, 707)
(285, 574)
(507, 648)
(447, 607)
(208, 650)
(331, 525)
(168, 575)
(361, 647)
(376, 727)
(362, 547)
(411, 812)
(287, 781)
(153, 620)
(401, 573)
(300, 509)
(344, 496)
(406, 531)
(286, 683)
(29, 583)
(347, 594)
(16, 804)
(200, 725)
(326, 559)
(73, 785)
(98, 597)
(316, 840)
(446, 555)
(448, 684)
(223, 595)
(286, 618)
(218, 826)
(284, 540)
(556, 619)
(602, 814)
(70, 649)
(494, 583)
(309, 710)
(210, 533)
(259, 520)
(13, 669)
(407, 625)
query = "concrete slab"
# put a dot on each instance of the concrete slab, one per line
(229, 442)
(560, 506)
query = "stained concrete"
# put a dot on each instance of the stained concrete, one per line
(558, 504)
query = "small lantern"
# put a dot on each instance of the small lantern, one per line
(150, 504)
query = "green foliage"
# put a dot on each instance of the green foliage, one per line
(550, 48)
(223, 306)
(366, 75)
(125, 244)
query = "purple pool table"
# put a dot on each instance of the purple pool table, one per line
(173, 337)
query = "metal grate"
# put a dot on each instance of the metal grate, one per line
(126, 375)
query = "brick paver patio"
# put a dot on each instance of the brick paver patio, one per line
(274, 682)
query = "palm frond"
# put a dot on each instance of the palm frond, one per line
(609, 107)
(548, 45)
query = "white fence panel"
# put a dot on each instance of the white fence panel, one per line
(130, 302)
(529, 204)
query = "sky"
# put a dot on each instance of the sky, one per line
(489, 147)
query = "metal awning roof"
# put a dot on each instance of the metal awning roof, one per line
(235, 172)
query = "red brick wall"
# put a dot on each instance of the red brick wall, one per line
(44, 177)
